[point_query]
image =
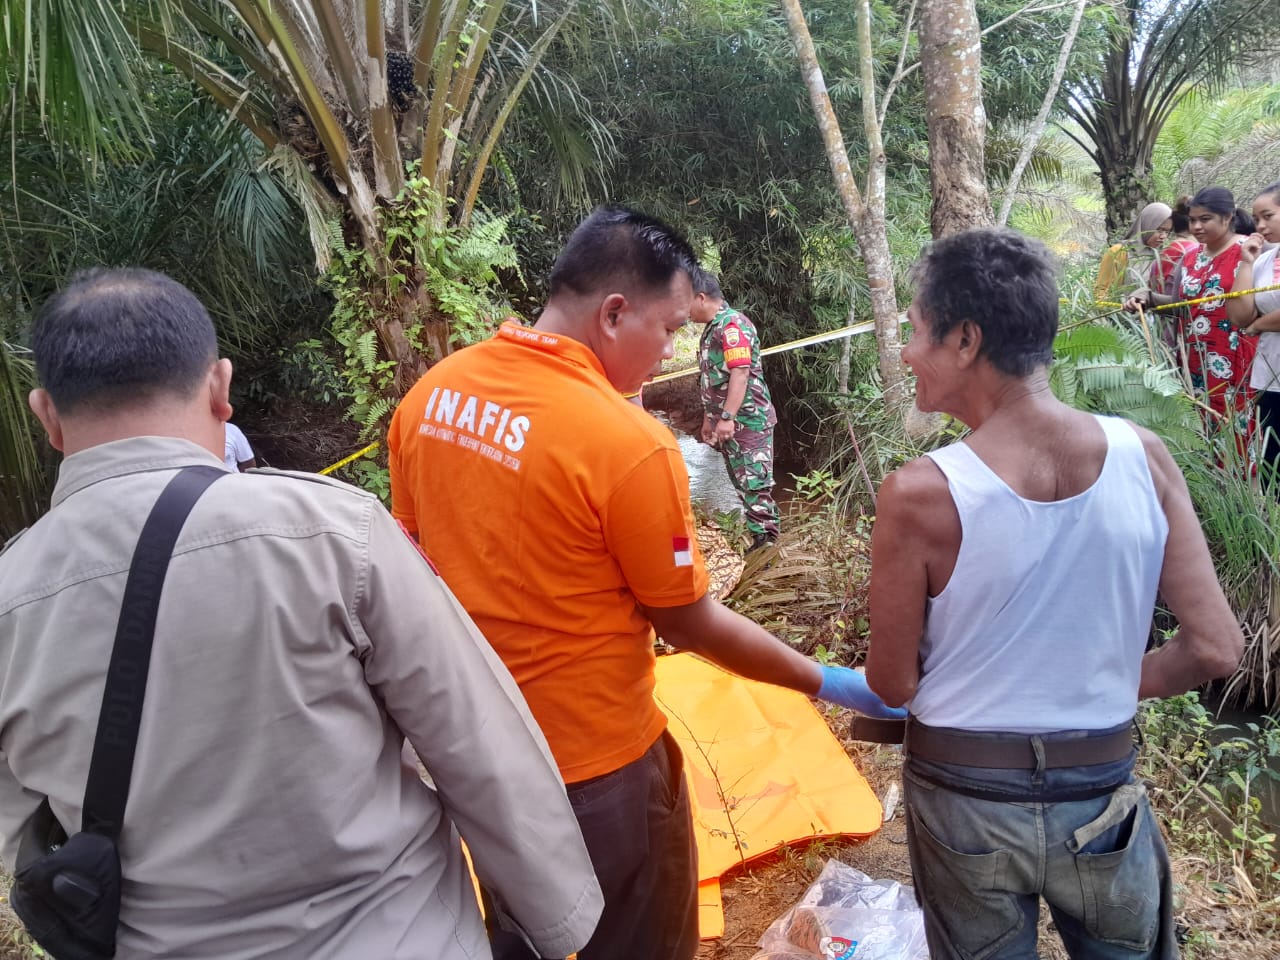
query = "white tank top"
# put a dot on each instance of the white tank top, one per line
(1045, 619)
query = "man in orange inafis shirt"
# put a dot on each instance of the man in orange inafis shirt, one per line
(559, 515)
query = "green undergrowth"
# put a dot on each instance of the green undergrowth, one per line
(1216, 790)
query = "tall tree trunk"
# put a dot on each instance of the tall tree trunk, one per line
(866, 219)
(951, 60)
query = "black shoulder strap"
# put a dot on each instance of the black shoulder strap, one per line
(118, 721)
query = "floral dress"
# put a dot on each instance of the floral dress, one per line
(1219, 354)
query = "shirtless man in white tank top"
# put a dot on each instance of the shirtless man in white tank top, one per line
(1014, 577)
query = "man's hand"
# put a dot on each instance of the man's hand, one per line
(707, 434)
(722, 431)
(848, 688)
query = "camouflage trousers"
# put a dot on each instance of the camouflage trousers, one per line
(749, 456)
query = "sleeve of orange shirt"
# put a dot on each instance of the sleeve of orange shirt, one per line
(649, 529)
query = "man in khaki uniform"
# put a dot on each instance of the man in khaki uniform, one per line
(301, 638)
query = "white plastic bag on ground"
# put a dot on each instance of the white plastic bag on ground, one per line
(845, 915)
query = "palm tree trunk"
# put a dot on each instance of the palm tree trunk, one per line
(1126, 185)
(951, 60)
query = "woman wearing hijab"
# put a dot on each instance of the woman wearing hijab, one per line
(1132, 261)
(1219, 353)
(1180, 245)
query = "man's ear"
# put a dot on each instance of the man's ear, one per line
(968, 342)
(219, 384)
(42, 406)
(608, 312)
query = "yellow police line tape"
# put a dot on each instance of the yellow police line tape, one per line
(849, 331)
(355, 456)
(1191, 303)
(868, 326)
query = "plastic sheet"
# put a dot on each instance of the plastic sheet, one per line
(763, 769)
(846, 915)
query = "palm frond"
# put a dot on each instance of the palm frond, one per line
(24, 484)
(74, 64)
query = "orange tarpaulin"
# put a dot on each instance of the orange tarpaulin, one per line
(763, 769)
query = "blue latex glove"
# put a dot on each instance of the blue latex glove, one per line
(848, 688)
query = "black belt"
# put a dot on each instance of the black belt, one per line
(1014, 751)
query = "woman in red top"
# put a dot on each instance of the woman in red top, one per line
(1219, 354)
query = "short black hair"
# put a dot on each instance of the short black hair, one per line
(1242, 222)
(619, 247)
(1216, 200)
(705, 282)
(1004, 282)
(121, 335)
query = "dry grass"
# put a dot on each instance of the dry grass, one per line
(14, 942)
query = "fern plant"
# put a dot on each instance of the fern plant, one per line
(445, 270)
(1113, 368)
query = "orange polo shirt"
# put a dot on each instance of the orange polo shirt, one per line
(553, 509)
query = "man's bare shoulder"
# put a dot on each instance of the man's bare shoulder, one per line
(1164, 470)
(917, 483)
(915, 498)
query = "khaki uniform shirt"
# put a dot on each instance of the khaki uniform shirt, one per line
(301, 638)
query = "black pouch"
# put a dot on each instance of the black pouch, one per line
(66, 891)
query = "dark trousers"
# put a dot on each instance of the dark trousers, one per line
(1269, 425)
(639, 833)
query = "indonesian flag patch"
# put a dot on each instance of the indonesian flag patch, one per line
(682, 551)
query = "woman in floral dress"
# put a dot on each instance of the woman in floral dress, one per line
(1218, 352)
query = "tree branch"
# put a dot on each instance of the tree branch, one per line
(495, 129)
(1032, 140)
(897, 71)
(1017, 14)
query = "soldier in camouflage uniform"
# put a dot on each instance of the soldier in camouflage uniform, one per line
(738, 412)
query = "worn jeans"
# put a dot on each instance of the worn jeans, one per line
(639, 832)
(982, 864)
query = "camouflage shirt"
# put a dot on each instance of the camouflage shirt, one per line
(729, 341)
